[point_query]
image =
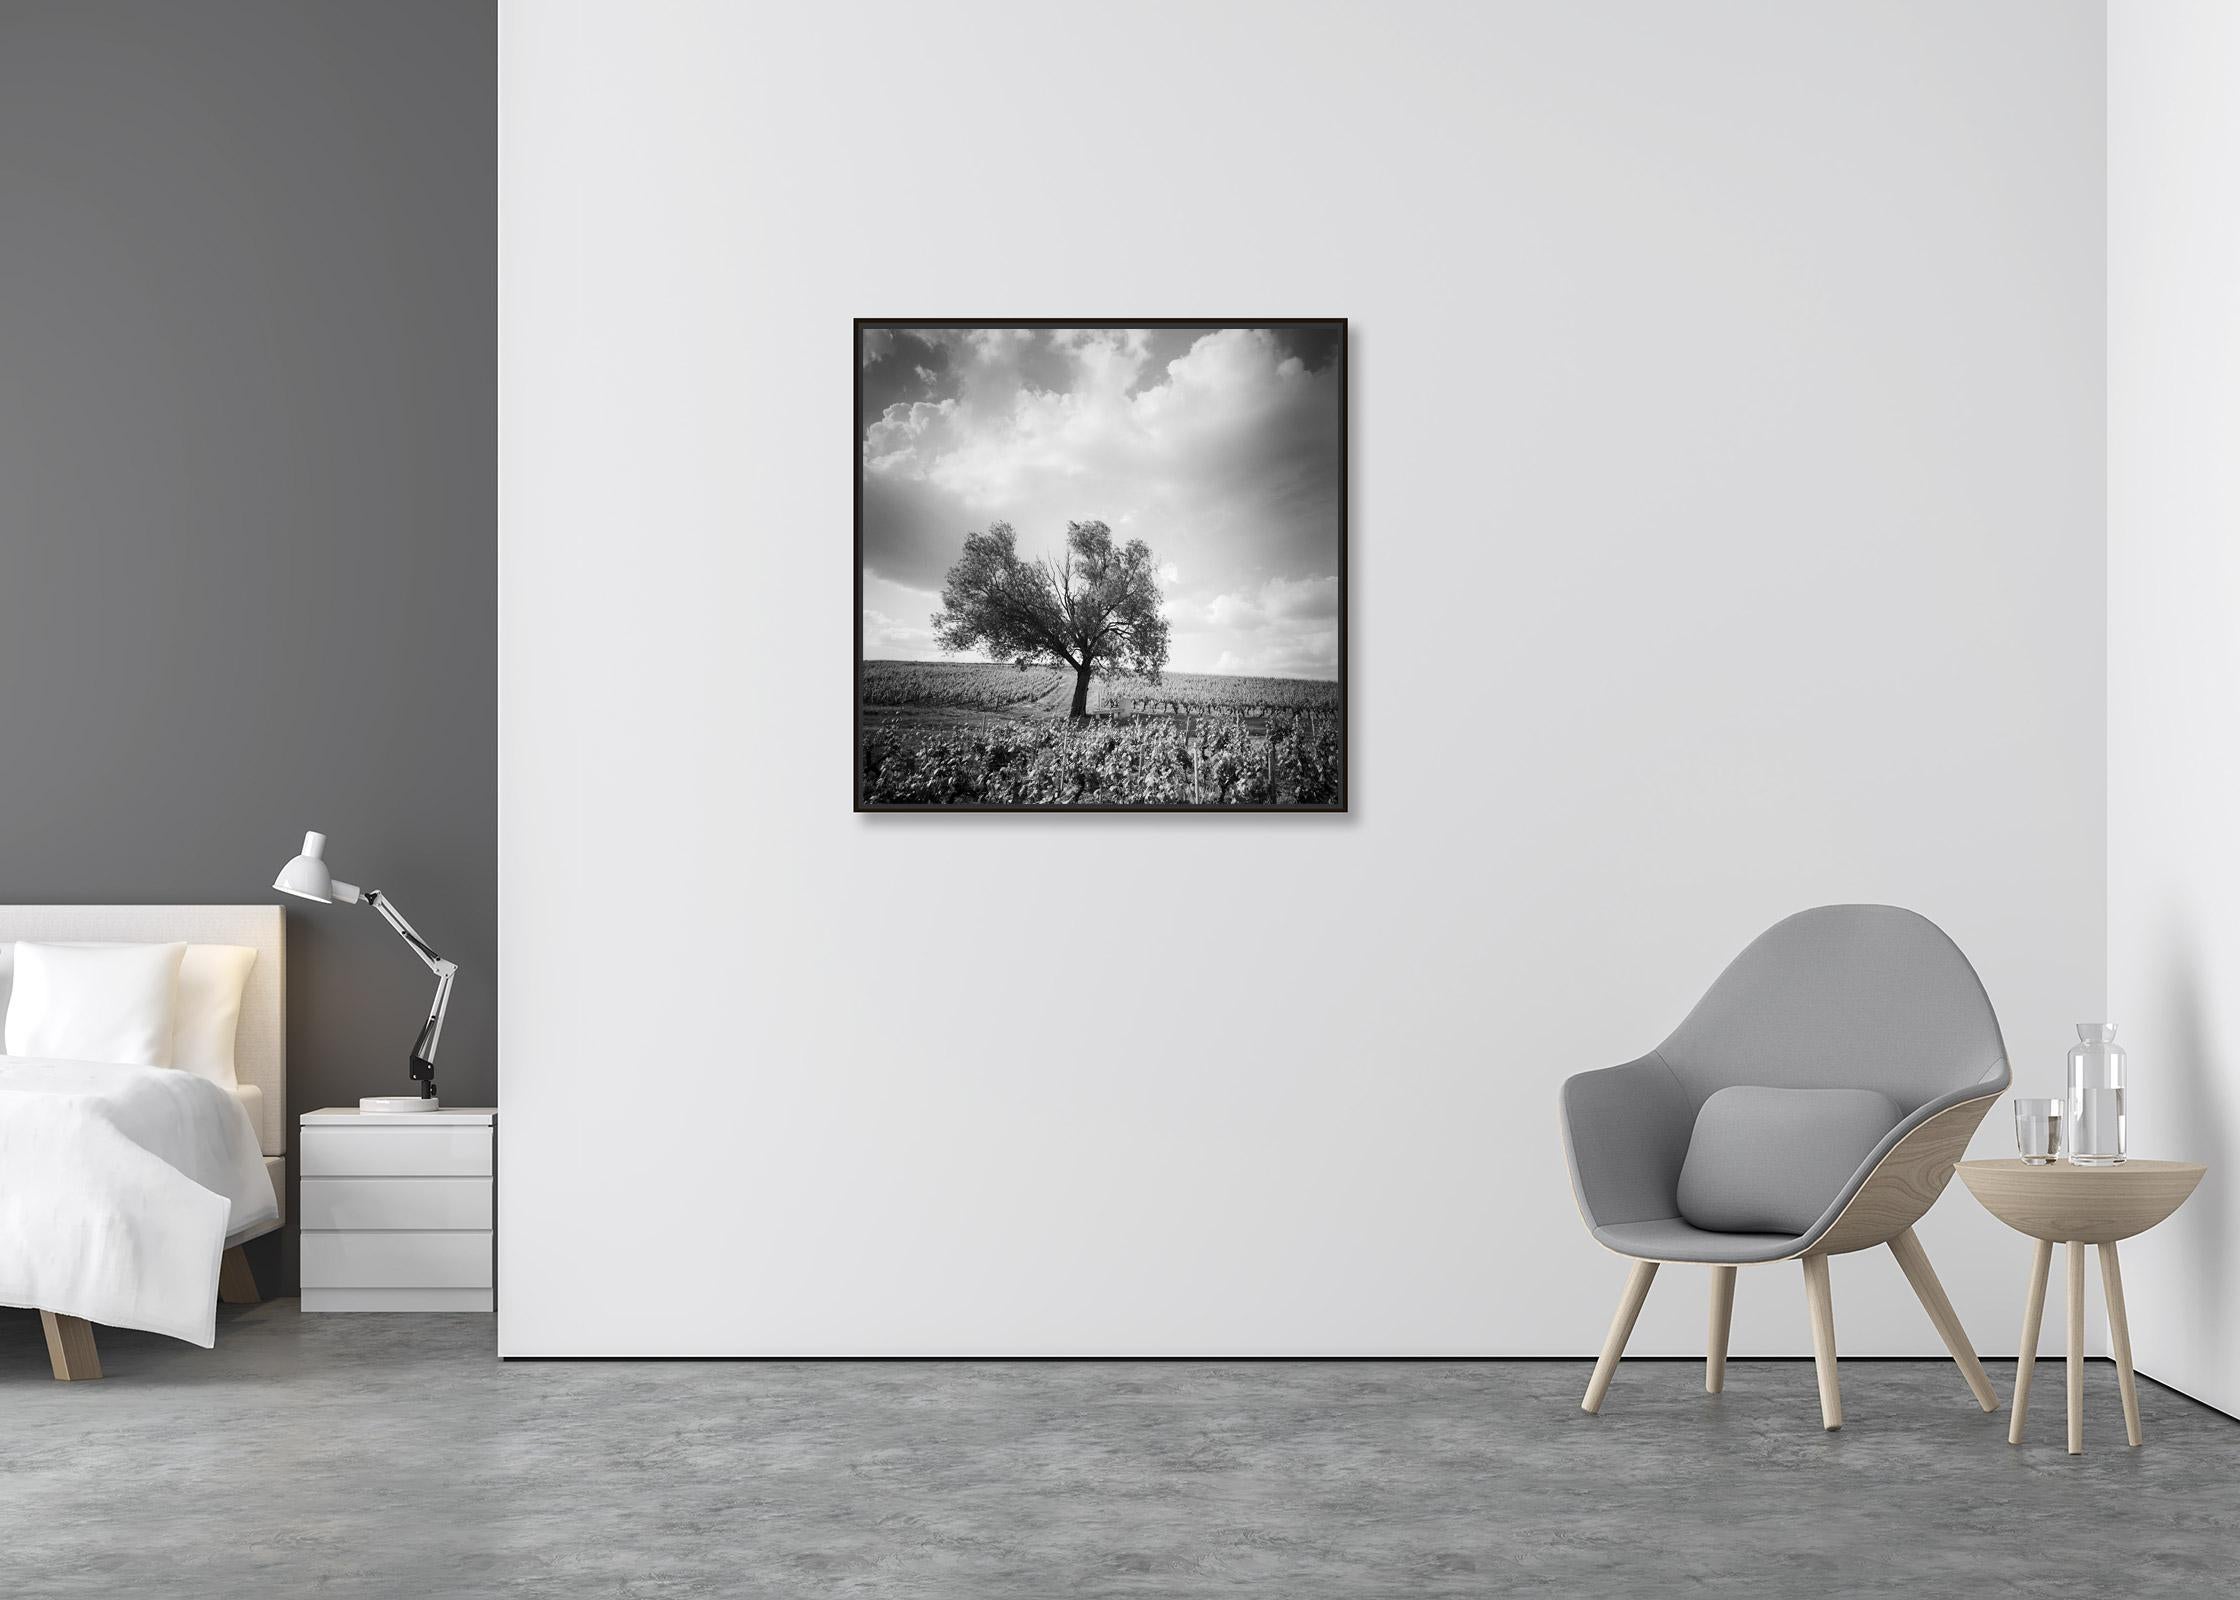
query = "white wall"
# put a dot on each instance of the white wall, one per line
(1728, 388)
(2174, 658)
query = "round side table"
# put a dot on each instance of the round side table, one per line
(2076, 1206)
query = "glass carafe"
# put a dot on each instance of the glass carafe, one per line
(2096, 1074)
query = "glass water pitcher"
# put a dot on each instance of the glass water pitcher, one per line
(2096, 1074)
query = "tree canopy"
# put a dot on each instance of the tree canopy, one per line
(1095, 610)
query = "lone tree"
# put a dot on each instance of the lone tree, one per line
(1096, 610)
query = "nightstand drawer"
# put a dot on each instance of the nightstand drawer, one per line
(454, 1152)
(397, 1261)
(391, 1203)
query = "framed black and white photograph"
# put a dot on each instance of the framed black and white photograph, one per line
(1101, 566)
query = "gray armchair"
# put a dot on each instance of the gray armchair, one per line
(1813, 1103)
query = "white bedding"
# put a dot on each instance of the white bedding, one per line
(252, 1105)
(118, 1189)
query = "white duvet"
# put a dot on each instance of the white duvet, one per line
(118, 1189)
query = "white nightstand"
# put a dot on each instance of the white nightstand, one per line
(398, 1212)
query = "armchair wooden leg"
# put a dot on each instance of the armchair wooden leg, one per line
(1621, 1329)
(1817, 1295)
(1923, 1277)
(2033, 1318)
(237, 1284)
(1722, 1319)
(70, 1348)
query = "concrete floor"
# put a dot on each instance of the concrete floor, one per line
(396, 1456)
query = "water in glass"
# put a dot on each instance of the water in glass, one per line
(2037, 1130)
(2096, 1088)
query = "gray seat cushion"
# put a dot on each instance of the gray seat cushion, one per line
(1670, 1239)
(1765, 1160)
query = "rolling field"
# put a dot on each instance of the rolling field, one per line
(919, 687)
(947, 686)
(962, 733)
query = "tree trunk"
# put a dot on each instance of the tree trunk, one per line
(1081, 690)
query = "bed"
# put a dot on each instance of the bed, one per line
(142, 1132)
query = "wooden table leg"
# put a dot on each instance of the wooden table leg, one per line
(2119, 1338)
(2076, 1347)
(1722, 1320)
(2033, 1317)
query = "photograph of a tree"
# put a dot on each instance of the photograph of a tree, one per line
(1095, 610)
(1100, 566)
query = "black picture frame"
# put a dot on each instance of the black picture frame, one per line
(1343, 804)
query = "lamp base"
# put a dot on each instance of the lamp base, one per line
(390, 1105)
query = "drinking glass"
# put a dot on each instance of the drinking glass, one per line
(2037, 1130)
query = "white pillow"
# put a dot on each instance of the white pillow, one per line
(211, 979)
(95, 1002)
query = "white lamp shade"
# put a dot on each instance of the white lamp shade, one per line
(307, 875)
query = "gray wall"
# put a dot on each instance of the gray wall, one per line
(248, 488)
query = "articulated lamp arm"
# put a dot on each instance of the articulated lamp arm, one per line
(431, 1031)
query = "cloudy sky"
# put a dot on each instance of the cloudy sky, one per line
(1221, 449)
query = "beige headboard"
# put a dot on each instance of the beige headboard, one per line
(260, 1045)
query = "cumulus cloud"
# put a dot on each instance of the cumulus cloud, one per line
(895, 364)
(1220, 448)
(1285, 628)
(1295, 599)
(885, 636)
(1279, 600)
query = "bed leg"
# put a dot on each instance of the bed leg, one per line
(70, 1347)
(237, 1285)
